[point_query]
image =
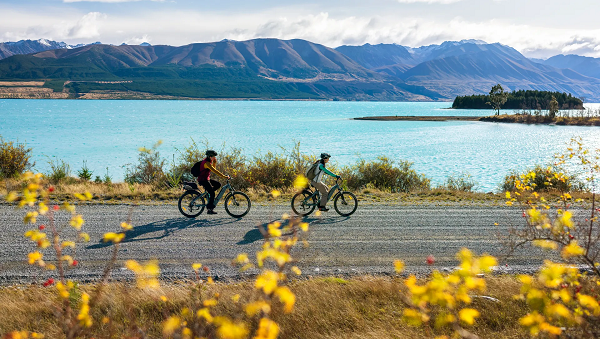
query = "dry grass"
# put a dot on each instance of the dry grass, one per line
(360, 307)
(143, 193)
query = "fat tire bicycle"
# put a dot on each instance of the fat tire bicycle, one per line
(192, 202)
(305, 202)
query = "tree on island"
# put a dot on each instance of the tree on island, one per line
(497, 98)
(552, 108)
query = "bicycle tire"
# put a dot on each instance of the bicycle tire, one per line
(185, 204)
(345, 203)
(238, 200)
(299, 205)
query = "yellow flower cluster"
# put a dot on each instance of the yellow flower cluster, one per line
(146, 275)
(449, 292)
(270, 285)
(22, 335)
(84, 312)
(555, 300)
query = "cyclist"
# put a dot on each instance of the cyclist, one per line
(207, 165)
(318, 183)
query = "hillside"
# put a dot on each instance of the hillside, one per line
(299, 69)
(260, 68)
(468, 67)
(584, 65)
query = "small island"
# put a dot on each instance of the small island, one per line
(518, 100)
(530, 107)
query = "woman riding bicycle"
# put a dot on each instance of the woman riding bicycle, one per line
(207, 165)
(318, 183)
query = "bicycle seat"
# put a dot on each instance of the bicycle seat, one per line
(189, 185)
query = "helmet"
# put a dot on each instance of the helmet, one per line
(211, 153)
(325, 156)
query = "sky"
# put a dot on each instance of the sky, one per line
(536, 28)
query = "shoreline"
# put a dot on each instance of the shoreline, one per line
(420, 118)
(513, 119)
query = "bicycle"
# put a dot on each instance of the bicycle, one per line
(192, 202)
(344, 202)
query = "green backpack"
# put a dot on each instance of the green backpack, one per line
(310, 173)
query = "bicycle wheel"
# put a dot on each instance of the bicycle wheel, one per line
(345, 203)
(237, 204)
(302, 204)
(191, 204)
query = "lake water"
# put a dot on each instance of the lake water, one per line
(108, 133)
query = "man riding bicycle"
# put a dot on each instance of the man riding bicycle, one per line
(318, 183)
(207, 165)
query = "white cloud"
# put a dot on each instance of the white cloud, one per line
(87, 26)
(109, 1)
(180, 27)
(138, 40)
(444, 2)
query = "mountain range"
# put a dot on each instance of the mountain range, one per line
(274, 68)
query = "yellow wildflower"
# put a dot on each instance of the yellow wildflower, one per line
(114, 237)
(398, 266)
(205, 313)
(257, 307)
(171, 325)
(468, 315)
(30, 217)
(267, 281)
(230, 330)
(34, 257)
(572, 250)
(126, 226)
(287, 297)
(300, 182)
(267, 329)
(76, 222)
(68, 244)
(545, 244)
(84, 312)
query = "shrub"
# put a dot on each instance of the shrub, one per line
(272, 170)
(14, 158)
(543, 179)
(85, 173)
(383, 173)
(59, 170)
(460, 182)
(149, 170)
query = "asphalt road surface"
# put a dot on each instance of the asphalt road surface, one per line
(366, 242)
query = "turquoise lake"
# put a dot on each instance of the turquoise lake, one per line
(108, 133)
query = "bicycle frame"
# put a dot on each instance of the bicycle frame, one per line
(332, 192)
(227, 187)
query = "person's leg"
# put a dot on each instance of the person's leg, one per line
(324, 190)
(215, 184)
(211, 194)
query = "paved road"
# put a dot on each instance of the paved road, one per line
(366, 242)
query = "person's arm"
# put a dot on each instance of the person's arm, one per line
(212, 168)
(322, 168)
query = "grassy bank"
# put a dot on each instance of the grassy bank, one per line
(361, 307)
(149, 194)
(583, 120)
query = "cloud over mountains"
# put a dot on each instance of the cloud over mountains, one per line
(536, 28)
